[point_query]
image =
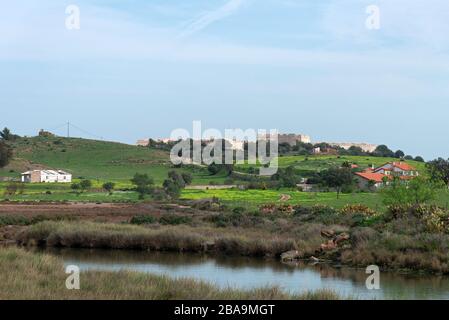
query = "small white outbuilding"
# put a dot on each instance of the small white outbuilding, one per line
(38, 176)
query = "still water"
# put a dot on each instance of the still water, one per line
(245, 273)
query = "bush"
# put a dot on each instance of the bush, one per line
(285, 209)
(238, 210)
(174, 220)
(235, 219)
(143, 219)
(357, 208)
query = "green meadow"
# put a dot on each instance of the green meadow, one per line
(254, 198)
(317, 163)
(96, 160)
(102, 161)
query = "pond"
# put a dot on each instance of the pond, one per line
(246, 273)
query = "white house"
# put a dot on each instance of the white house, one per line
(37, 176)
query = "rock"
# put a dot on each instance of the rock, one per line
(314, 259)
(330, 245)
(341, 237)
(290, 255)
(328, 233)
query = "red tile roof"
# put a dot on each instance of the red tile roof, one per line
(403, 166)
(377, 177)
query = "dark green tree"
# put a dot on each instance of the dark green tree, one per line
(172, 189)
(419, 159)
(5, 153)
(109, 186)
(187, 178)
(5, 134)
(439, 170)
(399, 154)
(337, 178)
(85, 184)
(143, 183)
(383, 151)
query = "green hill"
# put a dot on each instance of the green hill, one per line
(307, 165)
(91, 159)
(103, 160)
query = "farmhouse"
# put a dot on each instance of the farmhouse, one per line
(377, 177)
(38, 176)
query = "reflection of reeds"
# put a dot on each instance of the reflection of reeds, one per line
(41, 276)
(164, 258)
(167, 238)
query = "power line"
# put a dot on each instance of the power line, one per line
(82, 130)
(68, 125)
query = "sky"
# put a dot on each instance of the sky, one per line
(143, 68)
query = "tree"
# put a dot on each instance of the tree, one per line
(177, 178)
(5, 134)
(187, 178)
(383, 151)
(75, 186)
(5, 154)
(287, 177)
(337, 178)
(176, 183)
(171, 188)
(355, 151)
(417, 191)
(408, 157)
(399, 154)
(346, 164)
(11, 188)
(439, 170)
(419, 159)
(85, 184)
(143, 184)
(109, 186)
(213, 169)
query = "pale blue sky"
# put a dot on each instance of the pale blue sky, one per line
(143, 68)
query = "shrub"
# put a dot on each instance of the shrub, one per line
(238, 210)
(142, 219)
(268, 208)
(236, 219)
(174, 220)
(357, 208)
(285, 209)
(398, 210)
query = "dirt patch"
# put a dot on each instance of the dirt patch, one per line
(104, 212)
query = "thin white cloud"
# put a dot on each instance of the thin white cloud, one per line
(229, 8)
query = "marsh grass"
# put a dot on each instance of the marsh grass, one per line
(41, 276)
(181, 238)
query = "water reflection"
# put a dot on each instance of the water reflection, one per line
(241, 272)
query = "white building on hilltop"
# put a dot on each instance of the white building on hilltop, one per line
(38, 176)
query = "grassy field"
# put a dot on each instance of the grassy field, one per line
(96, 160)
(251, 199)
(317, 163)
(40, 276)
(102, 161)
(255, 198)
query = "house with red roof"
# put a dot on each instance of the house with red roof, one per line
(374, 178)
